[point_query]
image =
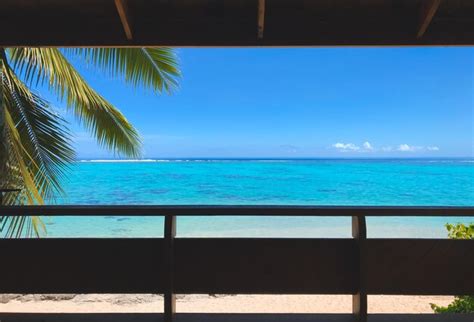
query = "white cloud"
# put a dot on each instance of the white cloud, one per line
(351, 147)
(345, 147)
(411, 148)
(406, 148)
(367, 146)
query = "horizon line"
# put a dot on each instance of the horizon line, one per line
(271, 158)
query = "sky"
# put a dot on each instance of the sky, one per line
(301, 102)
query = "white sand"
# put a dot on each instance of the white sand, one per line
(217, 304)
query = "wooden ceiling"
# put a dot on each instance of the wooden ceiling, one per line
(236, 22)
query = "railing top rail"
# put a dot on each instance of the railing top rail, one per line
(207, 210)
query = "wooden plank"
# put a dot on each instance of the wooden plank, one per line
(229, 266)
(427, 12)
(327, 211)
(122, 9)
(359, 299)
(265, 266)
(81, 266)
(236, 266)
(420, 266)
(261, 18)
(169, 251)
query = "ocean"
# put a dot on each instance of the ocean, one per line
(388, 182)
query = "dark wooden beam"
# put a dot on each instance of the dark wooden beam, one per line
(428, 10)
(169, 296)
(122, 8)
(359, 299)
(187, 210)
(261, 18)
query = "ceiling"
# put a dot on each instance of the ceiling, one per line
(236, 22)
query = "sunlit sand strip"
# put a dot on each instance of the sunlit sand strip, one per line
(95, 303)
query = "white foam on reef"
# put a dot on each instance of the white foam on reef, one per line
(182, 160)
(123, 161)
(450, 161)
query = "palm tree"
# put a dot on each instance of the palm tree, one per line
(35, 142)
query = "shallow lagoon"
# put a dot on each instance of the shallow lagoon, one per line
(395, 182)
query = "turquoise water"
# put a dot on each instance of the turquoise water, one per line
(439, 182)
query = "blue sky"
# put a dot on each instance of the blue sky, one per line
(330, 102)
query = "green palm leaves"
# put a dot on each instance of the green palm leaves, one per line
(35, 144)
(151, 68)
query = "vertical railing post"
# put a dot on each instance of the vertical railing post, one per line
(359, 300)
(169, 296)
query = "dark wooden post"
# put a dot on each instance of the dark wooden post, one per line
(359, 300)
(170, 299)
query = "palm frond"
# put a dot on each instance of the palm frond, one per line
(154, 68)
(38, 146)
(35, 148)
(108, 125)
(44, 134)
(18, 226)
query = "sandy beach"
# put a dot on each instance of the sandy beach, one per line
(94, 303)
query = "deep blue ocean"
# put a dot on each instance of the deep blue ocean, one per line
(397, 182)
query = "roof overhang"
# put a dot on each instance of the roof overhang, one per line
(236, 22)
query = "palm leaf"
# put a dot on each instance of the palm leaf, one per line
(17, 226)
(153, 68)
(34, 141)
(45, 136)
(38, 147)
(108, 125)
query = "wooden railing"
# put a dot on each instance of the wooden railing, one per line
(169, 265)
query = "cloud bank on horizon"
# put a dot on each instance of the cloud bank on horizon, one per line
(367, 147)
